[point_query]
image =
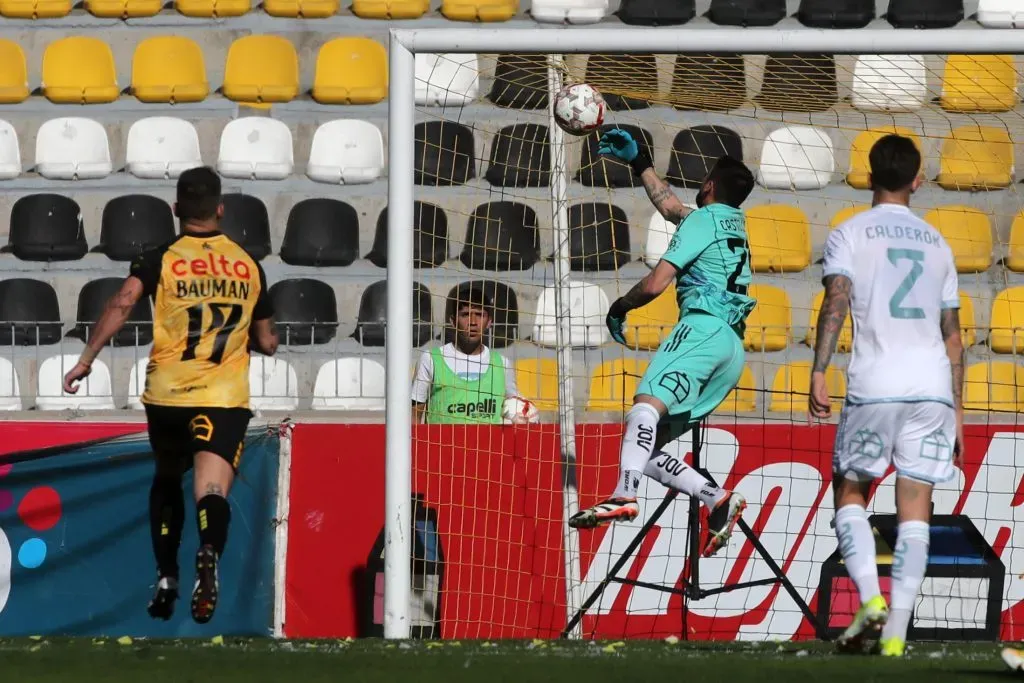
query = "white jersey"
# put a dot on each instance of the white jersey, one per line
(903, 275)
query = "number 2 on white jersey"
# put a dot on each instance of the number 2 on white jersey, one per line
(916, 258)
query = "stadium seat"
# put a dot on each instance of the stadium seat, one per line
(92, 301)
(124, 9)
(212, 8)
(1000, 13)
(589, 305)
(255, 148)
(79, 70)
(537, 378)
(371, 321)
(796, 158)
(29, 313)
(502, 236)
(979, 83)
(1007, 321)
(929, 14)
(742, 399)
(445, 154)
(520, 157)
(321, 232)
(968, 233)
(273, 384)
(845, 214)
(504, 314)
(46, 227)
(10, 388)
(695, 151)
(479, 10)
(430, 237)
(889, 83)
(137, 383)
(72, 149)
(169, 69)
(446, 80)
(520, 82)
(656, 12)
(390, 9)
(246, 221)
(349, 384)
(615, 74)
(801, 82)
(1015, 248)
(976, 158)
(711, 82)
(162, 147)
(569, 12)
(845, 341)
(351, 70)
(301, 9)
(133, 224)
(860, 169)
(791, 387)
(659, 234)
(10, 152)
(261, 69)
(346, 152)
(613, 384)
(95, 392)
(35, 9)
(13, 74)
(996, 386)
(306, 311)
(770, 323)
(836, 14)
(747, 12)
(598, 237)
(780, 239)
(648, 325)
(600, 170)
(968, 326)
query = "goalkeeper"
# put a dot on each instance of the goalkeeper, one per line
(700, 362)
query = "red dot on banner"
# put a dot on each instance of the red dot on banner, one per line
(5, 469)
(40, 508)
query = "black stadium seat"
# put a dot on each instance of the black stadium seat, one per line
(598, 237)
(133, 224)
(321, 232)
(836, 13)
(92, 300)
(800, 82)
(430, 237)
(501, 236)
(709, 82)
(597, 170)
(520, 157)
(623, 73)
(29, 313)
(246, 222)
(520, 82)
(444, 154)
(747, 12)
(695, 151)
(372, 318)
(925, 13)
(656, 12)
(46, 227)
(504, 315)
(306, 311)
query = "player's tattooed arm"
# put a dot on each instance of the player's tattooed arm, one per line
(949, 323)
(663, 198)
(119, 308)
(646, 290)
(831, 318)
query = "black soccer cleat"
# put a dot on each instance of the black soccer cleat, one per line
(162, 604)
(204, 593)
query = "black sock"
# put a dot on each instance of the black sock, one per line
(166, 520)
(213, 516)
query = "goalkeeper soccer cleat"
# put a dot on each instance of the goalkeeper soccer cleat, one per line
(1013, 658)
(611, 510)
(866, 625)
(162, 604)
(721, 521)
(204, 593)
(891, 647)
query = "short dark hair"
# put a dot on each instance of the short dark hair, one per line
(469, 294)
(895, 162)
(198, 194)
(733, 181)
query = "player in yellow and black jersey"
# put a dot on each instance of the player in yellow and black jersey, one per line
(210, 302)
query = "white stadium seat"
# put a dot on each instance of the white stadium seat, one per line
(94, 393)
(349, 384)
(889, 83)
(72, 148)
(659, 234)
(273, 384)
(589, 305)
(571, 11)
(255, 148)
(346, 152)
(1001, 13)
(10, 152)
(446, 80)
(137, 383)
(10, 389)
(162, 147)
(796, 158)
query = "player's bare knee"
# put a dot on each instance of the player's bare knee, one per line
(851, 488)
(647, 400)
(913, 499)
(213, 475)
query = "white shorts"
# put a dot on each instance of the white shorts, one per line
(917, 438)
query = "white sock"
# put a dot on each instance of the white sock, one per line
(637, 446)
(675, 474)
(908, 566)
(857, 545)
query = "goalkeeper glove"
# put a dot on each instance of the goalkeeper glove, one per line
(616, 322)
(621, 145)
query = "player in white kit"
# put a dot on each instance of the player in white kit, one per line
(896, 276)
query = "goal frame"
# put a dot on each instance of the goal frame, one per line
(609, 39)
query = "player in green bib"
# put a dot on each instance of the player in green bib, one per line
(701, 361)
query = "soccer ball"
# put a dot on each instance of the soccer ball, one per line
(579, 109)
(518, 411)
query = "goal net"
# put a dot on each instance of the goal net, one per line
(551, 233)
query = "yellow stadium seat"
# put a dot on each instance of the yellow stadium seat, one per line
(976, 158)
(169, 69)
(261, 69)
(303, 9)
(792, 384)
(124, 9)
(1015, 255)
(845, 341)
(537, 380)
(13, 73)
(979, 83)
(79, 70)
(613, 384)
(35, 9)
(351, 71)
(742, 399)
(845, 214)
(968, 325)
(647, 326)
(213, 8)
(1007, 321)
(780, 238)
(769, 324)
(994, 386)
(390, 9)
(479, 10)
(968, 233)
(860, 170)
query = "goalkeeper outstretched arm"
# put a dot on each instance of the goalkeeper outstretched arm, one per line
(621, 145)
